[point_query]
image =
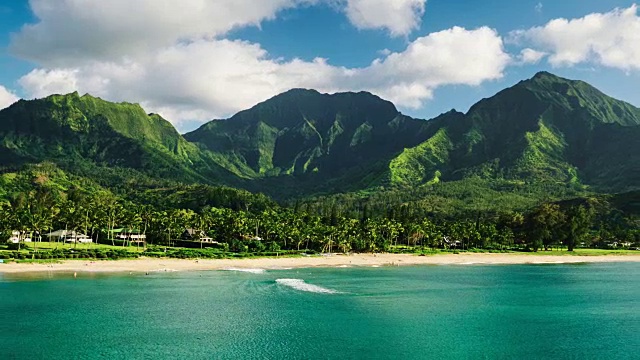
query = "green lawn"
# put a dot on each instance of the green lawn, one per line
(59, 245)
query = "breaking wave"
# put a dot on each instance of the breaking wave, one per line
(299, 284)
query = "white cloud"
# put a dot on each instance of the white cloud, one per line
(6, 97)
(455, 56)
(41, 82)
(530, 56)
(71, 31)
(172, 56)
(611, 39)
(399, 17)
(213, 78)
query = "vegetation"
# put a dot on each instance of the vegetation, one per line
(528, 169)
(545, 129)
(44, 199)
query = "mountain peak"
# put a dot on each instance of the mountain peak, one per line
(297, 93)
(545, 74)
(546, 78)
(297, 104)
(300, 91)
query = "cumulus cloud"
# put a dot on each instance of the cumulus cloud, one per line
(201, 79)
(214, 78)
(41, 82)
(611, 39)
(6, 97)
(530, 56)
(187, 70)
(72, 31)
(399, 17)
(455, 56)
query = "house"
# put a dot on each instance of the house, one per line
(619, 244)
(17, 237)
(69, 236)
(448, 242)
(130, 235)
(197, 235)
(79, 238)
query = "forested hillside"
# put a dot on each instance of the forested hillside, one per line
(546, 139)
(545, 162)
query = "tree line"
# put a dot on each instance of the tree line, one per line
(270, 227)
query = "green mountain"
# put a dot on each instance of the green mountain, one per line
(544, 137)
(90, 136)
(303, 132)
(543, 129)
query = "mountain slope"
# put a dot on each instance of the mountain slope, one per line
(545, 135)
(307, 134)
(543, 129)
(89, 133)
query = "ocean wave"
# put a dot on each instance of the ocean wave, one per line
(299, 284)
(251, 271)
(163, 270)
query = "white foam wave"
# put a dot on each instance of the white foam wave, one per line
(251, 271)
(164, 270)
(299, 284)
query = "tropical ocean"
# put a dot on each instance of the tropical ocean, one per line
(587, 311)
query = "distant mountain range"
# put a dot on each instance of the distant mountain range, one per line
(300, 143)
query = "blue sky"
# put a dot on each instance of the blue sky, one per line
(195, 60)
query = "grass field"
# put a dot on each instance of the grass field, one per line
(58, 245)
(46, 246)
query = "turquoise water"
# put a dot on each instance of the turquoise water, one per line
(431, 312)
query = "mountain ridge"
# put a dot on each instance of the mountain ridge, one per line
(544, 129)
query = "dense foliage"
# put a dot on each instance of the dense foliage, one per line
(45, 198)
(529, 168)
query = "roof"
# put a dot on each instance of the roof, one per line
(61, 233)
(125, 230)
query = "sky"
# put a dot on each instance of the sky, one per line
(192, 61)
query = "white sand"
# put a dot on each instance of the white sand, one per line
(253, 264)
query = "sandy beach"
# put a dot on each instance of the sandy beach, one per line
(367, 260)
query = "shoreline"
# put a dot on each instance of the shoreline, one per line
(147, 265)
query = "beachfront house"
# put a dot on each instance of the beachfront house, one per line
(17, 237)
(69, 236)
(449, 243)
(130, 235)
(190, 234)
